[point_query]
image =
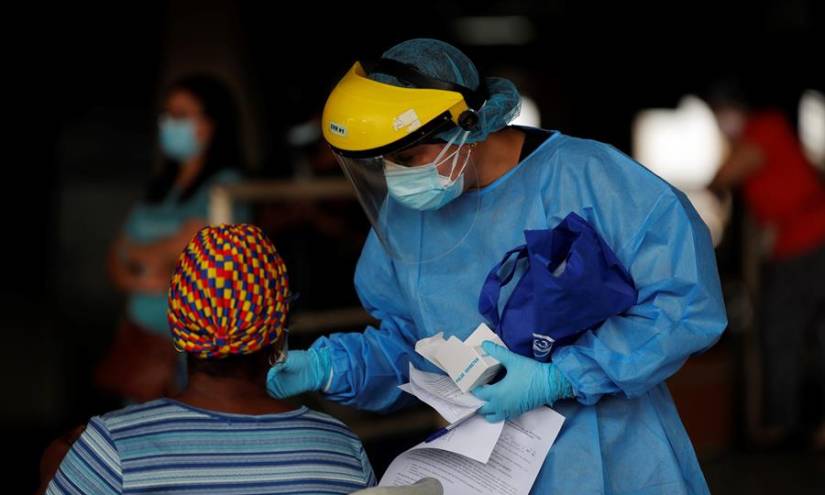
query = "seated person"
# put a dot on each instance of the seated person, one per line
(228, 305)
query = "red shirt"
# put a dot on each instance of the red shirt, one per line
(786, 192)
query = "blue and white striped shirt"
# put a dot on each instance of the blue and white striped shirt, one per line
(165, 446)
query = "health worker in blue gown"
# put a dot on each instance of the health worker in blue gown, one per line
(449, 188)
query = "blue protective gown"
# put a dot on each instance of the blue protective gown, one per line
(622, 432)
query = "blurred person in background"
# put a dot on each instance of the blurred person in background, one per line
(199, 141)
(223, 433)
(786, 196)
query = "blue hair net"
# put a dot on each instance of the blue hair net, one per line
(445, 62)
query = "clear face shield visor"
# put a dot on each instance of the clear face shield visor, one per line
(415, 197)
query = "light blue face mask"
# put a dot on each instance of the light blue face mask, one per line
(178, 140)
(422, 187)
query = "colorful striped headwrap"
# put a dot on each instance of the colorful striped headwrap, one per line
(229, 294)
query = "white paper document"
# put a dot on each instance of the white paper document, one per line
(440, 393)
(511, 469)
(475, 438)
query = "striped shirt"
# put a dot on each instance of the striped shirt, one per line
(165, 446)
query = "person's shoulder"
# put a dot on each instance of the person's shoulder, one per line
(605, 166)
(228, 175)
(341, 440)
(138, 415)
(329, 423)
(324, 418)
(614, 193)
(574, 154)
(589, 151)
(222, 177)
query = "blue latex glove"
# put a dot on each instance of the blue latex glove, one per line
(303, 371)
(527, 385)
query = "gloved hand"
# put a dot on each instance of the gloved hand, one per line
(527, 385)
(303, 371)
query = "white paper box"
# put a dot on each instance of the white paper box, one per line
(465, 362)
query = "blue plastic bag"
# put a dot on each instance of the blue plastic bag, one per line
(573, 282)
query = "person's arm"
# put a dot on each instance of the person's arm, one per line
(368, 366)
(165, 251)
(744, 159)
(92, 465)
(148, 267)
(369, 474)
(116, 266)
(138, 268)
(54, 455)
(679, 310)
(123, 268)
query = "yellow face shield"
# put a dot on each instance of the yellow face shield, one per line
(365, 118)
(384, 138)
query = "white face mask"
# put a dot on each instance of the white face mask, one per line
(178, 140)
(422, 187)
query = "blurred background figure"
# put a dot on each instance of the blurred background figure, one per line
(199, 141)
(786, 196)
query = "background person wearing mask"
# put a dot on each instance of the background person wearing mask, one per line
(199, 140)
(786, 196)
